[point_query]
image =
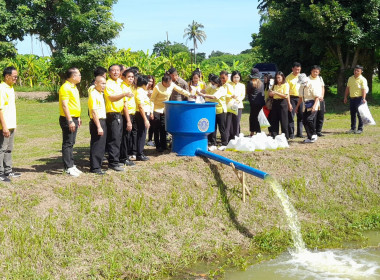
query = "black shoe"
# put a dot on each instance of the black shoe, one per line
(320, 134)
(117, 168)
(127, 162)
(160, 150)
(4, 179)
(98, 172)
(291, 136)
(142, 158)
(299, 136)
(13, 175)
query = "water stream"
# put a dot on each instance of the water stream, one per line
(301, 263)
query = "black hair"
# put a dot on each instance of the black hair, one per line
(135, 69)
(195, 73)
(109, 68)
(70, 72)
(99, 71)
(223, 73)
(296, 64)
(172, 70)
(154, 81)
(266, 84)
(315, 67)
(142, 80)
(359, 67)
(122, 67)
(215, 79)
(210, 76)
(282, 75)
(129, 70)
(166, 78)
(8, 70)
(235, 73)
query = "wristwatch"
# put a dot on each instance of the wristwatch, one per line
(70, 122)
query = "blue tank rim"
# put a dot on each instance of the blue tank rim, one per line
(191, 103)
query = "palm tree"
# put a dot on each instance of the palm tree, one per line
(193, 32)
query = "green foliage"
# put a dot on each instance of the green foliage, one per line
(164, 48)
(346, 32)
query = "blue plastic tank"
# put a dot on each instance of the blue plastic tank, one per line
(189, 123)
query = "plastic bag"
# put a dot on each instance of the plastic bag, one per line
(365, 114)
(199, 99)
(263, 119)
(233, 107)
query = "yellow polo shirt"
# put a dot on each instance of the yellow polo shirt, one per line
(220, 94)
(356, 85)
(142, 98)
(237, 90)
(113, 88)
(8, 105)
(69, 91)
(284, 89)
(131, 103)
(293, 84)
(96, 102)
(162, 93)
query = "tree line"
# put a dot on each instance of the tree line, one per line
(336, 34)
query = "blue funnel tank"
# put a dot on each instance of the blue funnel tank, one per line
(189, 123)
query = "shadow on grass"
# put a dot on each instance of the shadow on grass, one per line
(54, 165)
(223, 193)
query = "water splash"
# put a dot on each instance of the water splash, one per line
(291, 214)
(320, 265)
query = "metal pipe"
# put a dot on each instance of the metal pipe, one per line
(227, 161)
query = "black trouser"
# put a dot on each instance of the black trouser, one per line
(320, 118)
(309, 122)
(132, 137)
(97, 145)
(68, 141)
(114, 123)
(141, 134)
(294, 101)
(354, 105)
(254, 125)
(128, 141)
(279, 113)
(159, 131)
(220, 121)
(233, 124)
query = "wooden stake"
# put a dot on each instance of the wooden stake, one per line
(241, 177)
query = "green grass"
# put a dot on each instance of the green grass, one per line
(161, 218)
(32, 89)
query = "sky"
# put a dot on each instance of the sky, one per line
(227, 24)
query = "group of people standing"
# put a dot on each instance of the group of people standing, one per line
(285, 98)
(123, 107)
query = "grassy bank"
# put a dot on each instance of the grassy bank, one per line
(159, 218)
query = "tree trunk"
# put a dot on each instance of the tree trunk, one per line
(195, 56)
(341, 81)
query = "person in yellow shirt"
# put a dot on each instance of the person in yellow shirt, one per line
(150, 87)
(115, 103)
(235, 97)
(217, 93)
(128, 142)
(357, 88)
(195, 84)
(280, 106)
(98, 127)
(7, 124)
(69, 120)
(161, 93)
(143, 113)
(292, 80)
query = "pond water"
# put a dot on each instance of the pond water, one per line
(353, 264)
